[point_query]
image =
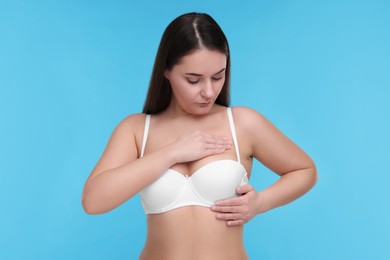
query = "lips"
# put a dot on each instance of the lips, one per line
(205, 104)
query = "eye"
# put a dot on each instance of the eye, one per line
(216, 78)
(192, 81)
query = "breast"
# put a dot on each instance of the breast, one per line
(212, 182)
(218, 180)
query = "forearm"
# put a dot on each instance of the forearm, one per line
(115, 186)
(288, 188)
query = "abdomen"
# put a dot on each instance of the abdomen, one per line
(192, 232)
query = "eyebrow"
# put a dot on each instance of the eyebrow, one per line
(199, 75)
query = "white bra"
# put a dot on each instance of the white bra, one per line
(214, 181)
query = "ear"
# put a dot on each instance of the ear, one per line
(167, 74)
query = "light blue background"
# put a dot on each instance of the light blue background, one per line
(71, 70)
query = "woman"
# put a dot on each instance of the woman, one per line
(190, 156)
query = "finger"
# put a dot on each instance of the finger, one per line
(215, 137)
(235, 223)
(209, 137)
(244, 189)
(216, 140)
(217, 146)
(220, 137)
(223, 140)
(227, 209)
(231, 216)
(230, 202)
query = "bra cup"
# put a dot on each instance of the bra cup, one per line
(218, 180)
(245, 180)
(164, 191)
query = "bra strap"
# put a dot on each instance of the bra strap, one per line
(146, 132)
(233, 130)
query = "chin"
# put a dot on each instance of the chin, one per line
(198, 110)
(202, 110)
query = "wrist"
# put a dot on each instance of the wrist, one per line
(170, 154)
(262, 203)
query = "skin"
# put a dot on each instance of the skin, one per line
(190, 133)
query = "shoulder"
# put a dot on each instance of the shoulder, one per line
(131, 124)
(252, 124)
(251, 128)
(247, 117)
(132, 121)
(129, 131)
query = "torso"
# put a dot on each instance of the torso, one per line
(193, 232)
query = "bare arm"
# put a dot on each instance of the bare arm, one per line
(120, 174)
(278, 153)
(285, 158)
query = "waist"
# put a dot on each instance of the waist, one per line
(192, 233)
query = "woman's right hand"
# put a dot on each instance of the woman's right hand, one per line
(196, 145)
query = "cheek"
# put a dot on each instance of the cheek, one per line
(219, 85)
(182, 89)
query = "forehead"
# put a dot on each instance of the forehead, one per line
(202, 61)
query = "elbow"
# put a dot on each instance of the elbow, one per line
(90, 206)
(90, 202)
(90, 209)
(86, 203)
(87, 208)
(313, 174)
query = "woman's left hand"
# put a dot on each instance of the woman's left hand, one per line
(239, 210)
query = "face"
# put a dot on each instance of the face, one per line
(197, 80)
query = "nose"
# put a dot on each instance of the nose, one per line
(207, 90)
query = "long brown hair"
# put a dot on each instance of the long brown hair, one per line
(187, 33)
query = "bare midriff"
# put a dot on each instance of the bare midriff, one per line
(192, 233)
